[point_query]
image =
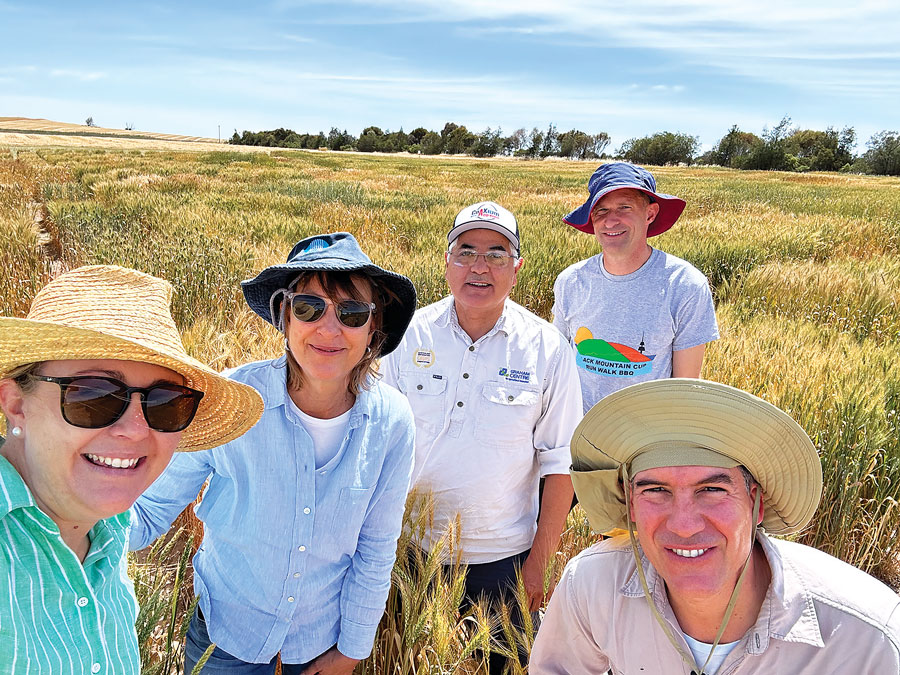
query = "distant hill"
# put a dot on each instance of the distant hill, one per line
(26, 125)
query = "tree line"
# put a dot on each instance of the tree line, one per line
(779, 148)
(453, 139)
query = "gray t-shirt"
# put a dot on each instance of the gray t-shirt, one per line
(625, 328)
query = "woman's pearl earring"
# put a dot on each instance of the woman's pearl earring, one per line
(16, 431)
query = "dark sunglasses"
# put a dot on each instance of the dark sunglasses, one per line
(311, 308)
(93, 402)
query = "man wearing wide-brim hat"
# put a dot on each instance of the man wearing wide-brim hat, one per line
(700, 474)
(633, 313)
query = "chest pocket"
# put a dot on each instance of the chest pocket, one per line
(347, 520)
(509, 413)
(427, 394)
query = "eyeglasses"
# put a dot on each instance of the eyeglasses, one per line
(92, 402)
(466, 257)
(311, 308)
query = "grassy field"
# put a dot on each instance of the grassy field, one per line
(805, 269)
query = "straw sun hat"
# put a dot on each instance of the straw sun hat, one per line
(686, 422)
(108, 312)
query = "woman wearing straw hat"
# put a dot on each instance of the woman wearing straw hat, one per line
(98, 392)
(302, 515)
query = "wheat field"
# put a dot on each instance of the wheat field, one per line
(805, 271)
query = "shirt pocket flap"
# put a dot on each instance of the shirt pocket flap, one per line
(423, 383)
(509, 395)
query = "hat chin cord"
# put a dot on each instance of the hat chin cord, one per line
(667, 629)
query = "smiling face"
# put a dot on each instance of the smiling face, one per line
(481, 288)
(326, 350)
(620, 219)
(695, 525)
(79, 476)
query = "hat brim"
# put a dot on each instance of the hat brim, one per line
(226, 411)
(670, 209)
(701, 414)
(397, 315)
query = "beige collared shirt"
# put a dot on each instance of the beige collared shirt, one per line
(820, 616)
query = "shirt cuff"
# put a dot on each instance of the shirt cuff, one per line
(356, 639)
(555, 460)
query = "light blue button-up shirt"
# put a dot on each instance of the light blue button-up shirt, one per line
(294, 559)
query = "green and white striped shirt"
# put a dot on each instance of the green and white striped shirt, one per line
(57, 615)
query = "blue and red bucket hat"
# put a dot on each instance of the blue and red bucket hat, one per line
(617, 176)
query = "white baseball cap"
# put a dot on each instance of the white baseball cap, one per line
(486, 216)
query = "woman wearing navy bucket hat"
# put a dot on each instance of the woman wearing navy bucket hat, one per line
(301, 518)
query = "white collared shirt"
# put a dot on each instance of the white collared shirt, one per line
(492, 417)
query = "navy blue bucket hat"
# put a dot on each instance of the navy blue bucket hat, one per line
(617, 176)
(338, 252)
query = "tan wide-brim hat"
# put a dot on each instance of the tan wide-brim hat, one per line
(109, 312)
(687, 422)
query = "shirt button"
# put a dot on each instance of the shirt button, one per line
(471, 348)
(419, 387)
(82, 602)
(296, 575)
(301, 548)
(465, 376)
(459, 404)
(510, 398)
(290, 598)
(306, 510)
(95, 668)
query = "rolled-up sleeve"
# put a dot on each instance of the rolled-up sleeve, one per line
(561, 412)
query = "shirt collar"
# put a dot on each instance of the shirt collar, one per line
(276, 394)
(787, 613)
(449, 318)
(14, 494)
(107, 536)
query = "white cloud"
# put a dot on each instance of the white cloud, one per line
(83, 76)
(768, 40)
(297, 38)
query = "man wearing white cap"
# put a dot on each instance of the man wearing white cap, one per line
(633, 313)
(700, 474)
(495, 396)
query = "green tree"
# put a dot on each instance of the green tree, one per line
(772, 153)
(448, 129)
(883, 155)
(417, 134)
(458, 141)
(487, 144)
(516, 142)
(827, 150)
(432, 144)
(537, 141)
(661, 149)
(339, 140)
(367, 142)
(599, 143)
(733, 148)
(550, 146)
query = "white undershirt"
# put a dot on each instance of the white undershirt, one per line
(700, 650)
(327, 435)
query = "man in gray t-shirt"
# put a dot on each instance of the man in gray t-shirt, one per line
(633, 313)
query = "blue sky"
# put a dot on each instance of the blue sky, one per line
(629, 69)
